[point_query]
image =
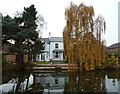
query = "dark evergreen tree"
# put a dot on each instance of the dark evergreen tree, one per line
(22, 30)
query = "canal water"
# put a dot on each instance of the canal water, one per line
(61, 82)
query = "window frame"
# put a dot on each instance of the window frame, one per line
(56, 45)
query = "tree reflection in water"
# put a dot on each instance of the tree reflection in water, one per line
(71, 82)
(89, 81)
(35, 87)
(30, 84)
(23, 80)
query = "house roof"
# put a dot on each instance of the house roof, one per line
(46, 39)
(58, 39)
(4, 52)
(116, 45)
(53, 39)
(58, 50)
(6, 43)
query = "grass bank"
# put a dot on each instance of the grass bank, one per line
(44, 62)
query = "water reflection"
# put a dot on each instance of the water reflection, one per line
(86, 82)
(95, 81)
(52, 82)
(19, 82)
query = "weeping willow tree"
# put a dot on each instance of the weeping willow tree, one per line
(82, 36)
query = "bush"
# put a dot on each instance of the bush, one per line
(112, 62)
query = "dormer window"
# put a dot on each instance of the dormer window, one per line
(56, 45)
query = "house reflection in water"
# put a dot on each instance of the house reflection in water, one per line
(52, 82)
(64, 83)
(72, 82)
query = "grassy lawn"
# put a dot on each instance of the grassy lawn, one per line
(61, 62)
(50, 62)
(41, 62)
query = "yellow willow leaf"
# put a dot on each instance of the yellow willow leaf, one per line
(82, 48)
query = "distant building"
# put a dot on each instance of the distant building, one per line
(113, 49)
(5, 47)
(11, 57)
(53, 50)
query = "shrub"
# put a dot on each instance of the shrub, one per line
(112, 62)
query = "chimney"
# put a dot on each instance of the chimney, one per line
(49, 35)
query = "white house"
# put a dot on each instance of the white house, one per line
(53, 50)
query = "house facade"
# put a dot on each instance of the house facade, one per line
(53, 50)
(113, 49)
(11, 57)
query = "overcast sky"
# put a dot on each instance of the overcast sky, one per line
(53, 13)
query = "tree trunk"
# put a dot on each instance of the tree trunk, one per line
(22, 63)
(17, 86)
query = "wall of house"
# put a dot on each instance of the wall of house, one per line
(47, 51)
(61, 56)
(10, 58)
(43, 57)
(13, 58)
(38, 57)
(6, 46)
(25, 58)
(112, 50)
(52, 47)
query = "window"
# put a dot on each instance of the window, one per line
(56, 55)
(56, 81)
(56, 45)
(42, 56)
